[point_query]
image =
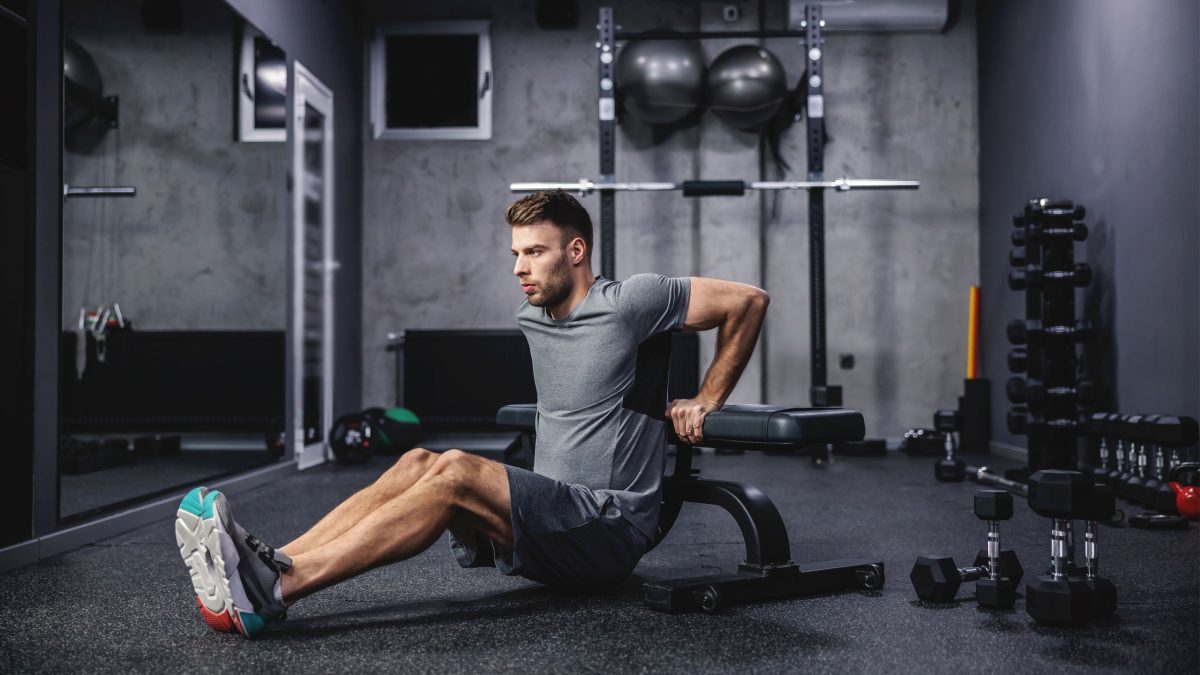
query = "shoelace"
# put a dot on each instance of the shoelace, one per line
(277, 561)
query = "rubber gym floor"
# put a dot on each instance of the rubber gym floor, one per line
(126, 605)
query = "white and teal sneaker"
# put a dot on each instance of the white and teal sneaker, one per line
(236, 576)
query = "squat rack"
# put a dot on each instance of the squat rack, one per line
(821, 393)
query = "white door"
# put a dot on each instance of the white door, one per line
(313, 266)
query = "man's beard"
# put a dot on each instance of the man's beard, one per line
(556, 288)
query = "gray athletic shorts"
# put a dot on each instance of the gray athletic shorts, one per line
(565, 536)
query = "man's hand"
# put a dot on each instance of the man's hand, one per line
(687, 414)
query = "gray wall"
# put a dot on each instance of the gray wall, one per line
(1101, 106)
(203, 244)
(436, 244)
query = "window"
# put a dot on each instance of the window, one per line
(432, 80)
(262, 89)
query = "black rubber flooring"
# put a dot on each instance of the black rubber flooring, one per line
(126, 605)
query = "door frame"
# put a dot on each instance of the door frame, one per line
(310, 91)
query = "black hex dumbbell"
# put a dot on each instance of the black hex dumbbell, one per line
(1096, 425)
(1132, 490)
(1035, 393)
(1101, 507)
(1075, 231)
(1018, 360)
(1131, 432)
(1017, 258)
(999, 588)
(1057, 597)
(1034, 276)
(949, 469)
(1033, 332)
(1051, 209)
(1020, 421)
(1120, 449)
(937, 579)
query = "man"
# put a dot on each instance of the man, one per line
(587, 513)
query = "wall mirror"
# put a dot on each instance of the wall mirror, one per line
(174, 284)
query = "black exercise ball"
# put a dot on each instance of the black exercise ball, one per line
(746, 86)
(81, 85)
(660, 82)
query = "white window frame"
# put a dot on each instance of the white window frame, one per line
(245, 86)
(484, 78)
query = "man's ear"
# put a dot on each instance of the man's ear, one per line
(577, 249)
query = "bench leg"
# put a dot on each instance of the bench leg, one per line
(711, 593)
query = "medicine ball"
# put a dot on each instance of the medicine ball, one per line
(746, 86)
(352, 438)
(660, 82)
(397, 429)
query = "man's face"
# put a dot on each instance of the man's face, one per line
(541, 264)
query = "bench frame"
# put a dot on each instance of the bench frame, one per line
(768, 571)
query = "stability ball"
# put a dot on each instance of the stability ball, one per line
(660, 82)
(746, 86)
(81, 85)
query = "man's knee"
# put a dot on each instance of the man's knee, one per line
(417, 460)
(457, 471)
(451, 465)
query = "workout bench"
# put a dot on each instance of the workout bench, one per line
(768, 571)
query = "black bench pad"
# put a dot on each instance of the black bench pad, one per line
(744, 426)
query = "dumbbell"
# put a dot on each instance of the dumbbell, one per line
(1036, 232)
(1133, 433)
(1046, 208)
(1019, 421)
(1018, 360)
(1032, 276)
(1057, 597)
(1039, 231)
(948, 469)
(1032, 331)
(1096, 425)
(1112, 427)
(1035, 392)
(1100, 507)
(937, 579)
(1134, 489)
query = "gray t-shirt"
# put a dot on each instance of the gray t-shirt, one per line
(601, 377)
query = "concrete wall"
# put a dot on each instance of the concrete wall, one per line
(203, 244)
(1110, 121)
(899, 264)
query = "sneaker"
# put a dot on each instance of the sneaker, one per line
(234, 574)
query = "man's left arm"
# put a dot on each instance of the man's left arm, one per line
(736, 310)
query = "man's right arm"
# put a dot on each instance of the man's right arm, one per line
(736, 310)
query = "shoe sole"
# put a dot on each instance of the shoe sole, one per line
(212, 563)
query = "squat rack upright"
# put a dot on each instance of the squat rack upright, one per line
(821, 393)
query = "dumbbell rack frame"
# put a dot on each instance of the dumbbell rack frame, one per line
(1052, 427)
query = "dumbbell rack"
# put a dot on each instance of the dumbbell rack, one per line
(1049, 398)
